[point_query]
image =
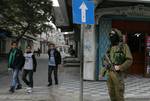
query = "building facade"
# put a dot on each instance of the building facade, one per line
(5, 43)
(133, 20)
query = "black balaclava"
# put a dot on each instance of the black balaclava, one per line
(114, 38)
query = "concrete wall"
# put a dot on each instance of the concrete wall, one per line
(60, 14)
(89, 53)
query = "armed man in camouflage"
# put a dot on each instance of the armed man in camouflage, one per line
(117, 60)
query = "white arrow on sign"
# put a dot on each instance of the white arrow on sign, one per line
(83, 8)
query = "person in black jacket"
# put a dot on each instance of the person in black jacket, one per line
(15, 63)
(28, 69)
(54, 62)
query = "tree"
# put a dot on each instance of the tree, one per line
(25, 16)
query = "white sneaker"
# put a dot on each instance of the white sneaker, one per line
(29, 90)
(26, 89)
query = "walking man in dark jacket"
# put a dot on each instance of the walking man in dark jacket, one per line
(15, 63)
(54, 61)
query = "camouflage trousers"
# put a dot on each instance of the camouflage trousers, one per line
(115, 85)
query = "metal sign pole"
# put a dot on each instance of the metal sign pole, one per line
(81, 60)
(83, 13)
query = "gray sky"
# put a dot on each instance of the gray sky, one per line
(55, 3)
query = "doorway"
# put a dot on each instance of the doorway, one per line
(135, 32)
(136, 42)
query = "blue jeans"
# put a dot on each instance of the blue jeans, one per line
(15, 78)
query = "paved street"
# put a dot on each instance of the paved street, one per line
(41, 92)
(137, 88)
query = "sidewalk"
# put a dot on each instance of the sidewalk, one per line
(137, 87)
(68, 90)
(42, 56)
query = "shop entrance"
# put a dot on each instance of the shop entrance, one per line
(136, 32)
(136, 42)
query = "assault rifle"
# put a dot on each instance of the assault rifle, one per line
(109, 65)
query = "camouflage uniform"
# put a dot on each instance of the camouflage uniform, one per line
(115, 80)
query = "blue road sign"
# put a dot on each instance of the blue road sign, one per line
(83, 11)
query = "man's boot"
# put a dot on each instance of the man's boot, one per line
(12, 89)
(19, 87)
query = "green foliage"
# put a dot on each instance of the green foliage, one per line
(25, 16)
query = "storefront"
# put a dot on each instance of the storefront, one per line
(133, 20)
(2, 46)
(136, 33)
(4, 35)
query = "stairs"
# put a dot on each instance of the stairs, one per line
(71, 62)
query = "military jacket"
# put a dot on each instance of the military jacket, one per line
(118, 55)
